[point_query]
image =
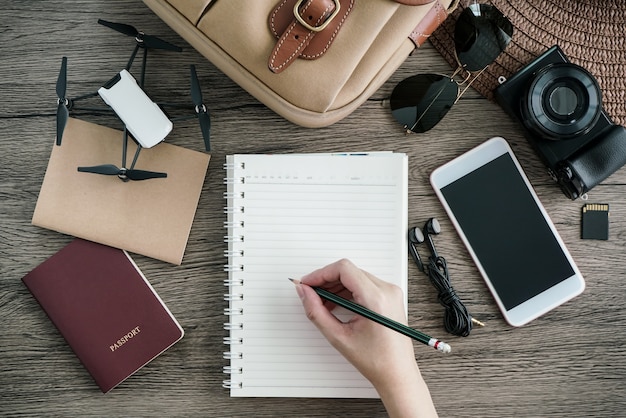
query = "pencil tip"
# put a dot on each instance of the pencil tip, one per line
(290, 279)
(294, 281)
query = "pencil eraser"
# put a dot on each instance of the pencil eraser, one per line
(595, 221)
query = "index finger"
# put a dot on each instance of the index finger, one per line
(337, 275)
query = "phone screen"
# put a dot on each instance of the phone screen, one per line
(507, 231)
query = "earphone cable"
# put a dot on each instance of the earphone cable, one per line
(457, 319)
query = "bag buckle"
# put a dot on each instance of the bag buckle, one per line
(296, 13)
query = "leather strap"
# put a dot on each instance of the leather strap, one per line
(307, 28)
(307, 35)
(414, 2)
(435, 16)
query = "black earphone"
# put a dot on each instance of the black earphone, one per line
(457, 320)
(431, 227)
(417, 236)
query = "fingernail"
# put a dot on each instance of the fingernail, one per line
(300, 291)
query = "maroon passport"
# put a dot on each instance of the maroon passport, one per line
(105, 309)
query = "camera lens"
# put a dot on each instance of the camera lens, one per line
(563, 101)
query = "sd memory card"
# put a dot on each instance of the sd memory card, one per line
(595, 223)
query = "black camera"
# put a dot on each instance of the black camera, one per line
(560, 106)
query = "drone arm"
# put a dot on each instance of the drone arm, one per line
(132, 57)
(176, 105)
(85, 96)
(124, 146)
(182, 118)
(139, 148)
(143, 68)
(87, 109)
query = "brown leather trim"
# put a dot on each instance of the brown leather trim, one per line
(435, 16)
(294, 39)
(414, 2)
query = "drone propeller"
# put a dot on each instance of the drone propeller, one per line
(63, 103)
(142, 39)
(201, 110)
(122, 173)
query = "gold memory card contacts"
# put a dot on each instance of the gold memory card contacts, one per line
(595, 223)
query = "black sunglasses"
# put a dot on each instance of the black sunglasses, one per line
(481, 33)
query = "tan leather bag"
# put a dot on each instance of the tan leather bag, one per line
(311, 61)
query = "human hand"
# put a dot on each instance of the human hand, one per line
(385, 357)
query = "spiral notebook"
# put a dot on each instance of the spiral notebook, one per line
(288, 215)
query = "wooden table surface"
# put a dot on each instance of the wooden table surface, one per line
(571, 362)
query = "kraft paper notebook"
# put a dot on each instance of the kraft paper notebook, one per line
(289, 215)
(104, 307)
(149, 217)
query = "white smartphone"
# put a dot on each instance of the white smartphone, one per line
(507, 232)
(143, 118)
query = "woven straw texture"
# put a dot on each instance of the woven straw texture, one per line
(592, 33)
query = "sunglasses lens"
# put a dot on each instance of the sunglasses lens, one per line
(481, 33)
(421, 101)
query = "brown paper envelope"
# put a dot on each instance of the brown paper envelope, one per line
(150, 217)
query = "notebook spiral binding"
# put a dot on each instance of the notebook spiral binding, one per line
(233, 311)
(232, 370)
(231, 384)
(234, 225)
(231, 238)
(229, 355)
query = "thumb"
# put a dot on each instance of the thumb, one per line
(318, 314)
